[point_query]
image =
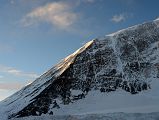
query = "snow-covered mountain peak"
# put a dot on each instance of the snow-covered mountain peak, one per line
(156, 19)
(110, 69)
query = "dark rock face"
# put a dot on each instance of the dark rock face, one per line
(124, 60)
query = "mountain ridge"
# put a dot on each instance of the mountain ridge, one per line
(125, 60)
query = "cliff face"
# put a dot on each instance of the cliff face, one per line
(127, 60)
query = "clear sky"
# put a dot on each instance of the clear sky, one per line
(37, 34)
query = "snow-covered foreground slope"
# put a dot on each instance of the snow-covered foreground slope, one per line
(110, 116)
(119, 101)
(97, 105)
(117, 73)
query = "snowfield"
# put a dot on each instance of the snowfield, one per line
(111, 116)
(101, 106)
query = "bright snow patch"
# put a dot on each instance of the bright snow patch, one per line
(157, 19)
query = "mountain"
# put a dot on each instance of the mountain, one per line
(116, 73)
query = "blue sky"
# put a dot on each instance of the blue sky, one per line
(37, 34)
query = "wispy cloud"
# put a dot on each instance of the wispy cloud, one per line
(1, 76)
(5, 48)
(12, 1)
(90, 1)
(59, 14)
(5, 93)
(18, 73)
(118, 18)
(128, 2)
(11, 86)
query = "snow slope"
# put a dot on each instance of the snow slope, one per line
(97, 106)
(111, 116)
